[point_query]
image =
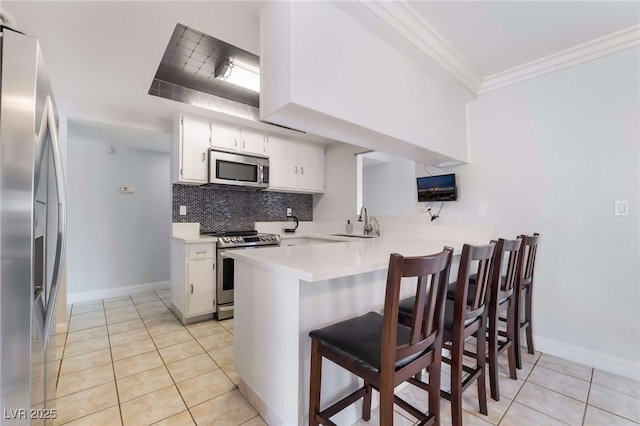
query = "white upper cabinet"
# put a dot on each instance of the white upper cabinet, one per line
(232, 138)
(252, 141)
(224, 136)
(193, 136)
(310, 167)
(283, 163)
(295, 166)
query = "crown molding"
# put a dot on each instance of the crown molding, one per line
(594, 49)
(407, 22)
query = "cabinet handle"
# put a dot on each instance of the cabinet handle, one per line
(214, 266)
(235, 142)
(191, 288)
(201, 252)
(295, 170)
(301, 170)
(203, 156)
(243, 144)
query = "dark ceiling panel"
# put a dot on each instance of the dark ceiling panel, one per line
(190, 61)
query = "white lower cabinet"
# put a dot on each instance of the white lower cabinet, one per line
(193, 280)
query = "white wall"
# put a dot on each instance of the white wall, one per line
(551, 155)
(389, 188)
(116, 240)
(338, 203)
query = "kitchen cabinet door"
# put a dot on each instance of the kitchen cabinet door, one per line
(283, 163)
(310, 167)
(200, 287)
(252, 141)
(225, 137)
(195, 139)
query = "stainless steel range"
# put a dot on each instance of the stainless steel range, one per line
(234, 240)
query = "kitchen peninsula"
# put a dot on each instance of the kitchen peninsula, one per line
(283, 293)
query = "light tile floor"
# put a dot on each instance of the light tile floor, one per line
(128, 361)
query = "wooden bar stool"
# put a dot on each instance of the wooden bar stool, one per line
(524, 291)
(464, 317)
(502, 299)
(383, 352)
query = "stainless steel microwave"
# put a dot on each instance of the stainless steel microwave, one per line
(231, 168)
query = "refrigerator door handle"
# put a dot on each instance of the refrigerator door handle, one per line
(49, 116)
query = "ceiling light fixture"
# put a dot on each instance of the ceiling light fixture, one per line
(235, 73)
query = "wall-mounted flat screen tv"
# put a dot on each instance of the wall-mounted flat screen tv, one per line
(437, 188)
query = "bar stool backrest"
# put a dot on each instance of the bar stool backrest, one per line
(432, 273)
(528, 259)
(482, 256)
(506, 256)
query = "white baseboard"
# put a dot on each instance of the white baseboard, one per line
(610, 363)
(87, 296)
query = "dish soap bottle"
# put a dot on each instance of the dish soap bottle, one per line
(349, 227)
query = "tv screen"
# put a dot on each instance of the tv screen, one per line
(437, 188)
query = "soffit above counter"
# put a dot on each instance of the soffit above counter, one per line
(324, 73)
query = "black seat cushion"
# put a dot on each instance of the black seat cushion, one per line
(451, 290)
(406, 312)
(360, 340)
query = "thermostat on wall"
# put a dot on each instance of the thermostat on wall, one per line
(127, 189)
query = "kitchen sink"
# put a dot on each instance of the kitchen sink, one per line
(354, 235)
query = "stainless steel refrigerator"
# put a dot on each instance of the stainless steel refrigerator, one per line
(32, 232)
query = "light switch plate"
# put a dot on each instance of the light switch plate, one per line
(483, 210)
(183, 210)
(621, 208)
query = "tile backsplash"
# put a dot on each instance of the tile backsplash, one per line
(228, 208)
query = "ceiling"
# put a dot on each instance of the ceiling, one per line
(104, 55)
(495, 36)
(117, 135)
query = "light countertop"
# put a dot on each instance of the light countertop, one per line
(194, 239)
(345, 257)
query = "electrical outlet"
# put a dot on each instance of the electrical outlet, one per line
(621, 208)
(126, 189)
(289, 213)
(183, 210)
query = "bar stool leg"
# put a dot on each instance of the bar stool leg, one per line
(527, 313)
(366, 403)
(480, 360)
(511, 331)
(493, 358)
(316, 378)
(518, 332)
(434, 371)
(386, 398)
(456, 383)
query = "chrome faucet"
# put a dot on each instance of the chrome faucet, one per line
(368, 227)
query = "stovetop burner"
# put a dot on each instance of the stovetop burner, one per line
(248, 238)
(246, 233)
